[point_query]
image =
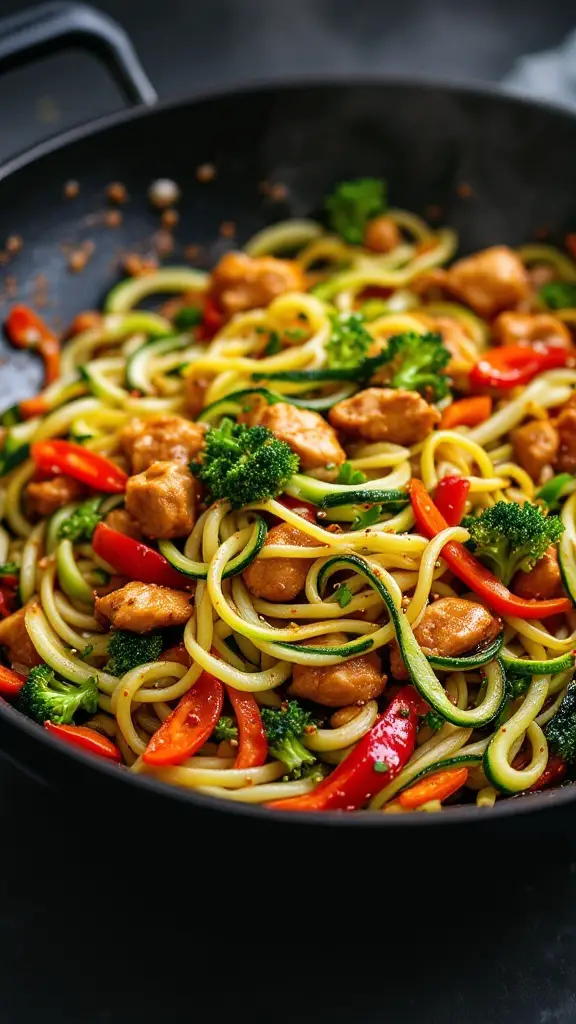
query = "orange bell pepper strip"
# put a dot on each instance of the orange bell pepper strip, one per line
(189, 726)
(253, 745)
(85, 738)
(55, 456)
(475, 575)
(439, 786)
(25, 329)
(468, 412)
(10, 682)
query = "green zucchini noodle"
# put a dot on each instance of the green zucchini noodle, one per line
(328, 588)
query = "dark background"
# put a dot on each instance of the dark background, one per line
(96, 927)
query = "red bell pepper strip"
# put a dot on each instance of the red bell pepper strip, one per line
(135, 560)
(27, 330)
(475, 575)
(10, 682)
(468, 412)
(439, 786)
(301, 508)
(212, 320)
(450, 498)
(510, 365)
(373, 763)
(85, 738)
(189, 726)
(90, 468)
(253, 749)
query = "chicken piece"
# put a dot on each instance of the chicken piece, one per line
(313, 440)
(385, 414)
(88, 320)
(195, 389)
(141, 607)
(461, 347)
(162, 499)
(535, 445)
(449, 627)
(280, 579)
(13, 636)
(566, 429)
(544, 581)
(45, 497)
(359, 679)
(382, 234)
(241, 282)
(490, 281)
(161, 438)
(119, 519)
(514, 328)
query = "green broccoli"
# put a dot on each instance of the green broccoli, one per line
(284, 728)
(349, 341)
(187, 317)
(244, 464)
(225, 730)
(561, 729)
(417, 362)
(508, 537)
(127, 650)
(48, 699)
(558, 294)
(434, 721)
(80, 525)
(353, 204)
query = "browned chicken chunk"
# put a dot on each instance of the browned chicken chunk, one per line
(241, 282)
(159, 439)
(382, 234)
(280, 579)
(385, 414)
(490, 281)
(162, 500)
(461, 347)
(45, 497)
(543, 581)
(359, 679)
(449, 627)
(566, 428)
(141, 607)
(195, 389)
(314, 441)
(13, 636)
(535, 446)
(514, 328)
(119, 519)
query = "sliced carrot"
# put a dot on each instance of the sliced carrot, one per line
(439, 786)
(468, 412)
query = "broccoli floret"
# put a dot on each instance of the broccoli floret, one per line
(127, 650)
(225, 730)
(284, 728)
(82, 523)
(349, 341)
(48, 699)
(417, 362)
(352, 204)
(561, 730)
(187, 317)
(558, 294)
(508, 536)
(244, 464)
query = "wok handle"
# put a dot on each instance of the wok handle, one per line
(54, 26)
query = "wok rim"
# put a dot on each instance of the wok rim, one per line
(458, 815)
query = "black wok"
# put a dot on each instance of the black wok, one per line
(518, 157)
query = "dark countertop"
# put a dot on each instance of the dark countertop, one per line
(80, 935)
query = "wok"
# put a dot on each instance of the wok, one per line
(518, 157)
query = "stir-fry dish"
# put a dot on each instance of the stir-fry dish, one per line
(303, 533)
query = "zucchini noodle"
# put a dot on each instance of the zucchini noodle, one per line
(327, 598)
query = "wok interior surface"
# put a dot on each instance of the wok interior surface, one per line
(515, 158)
